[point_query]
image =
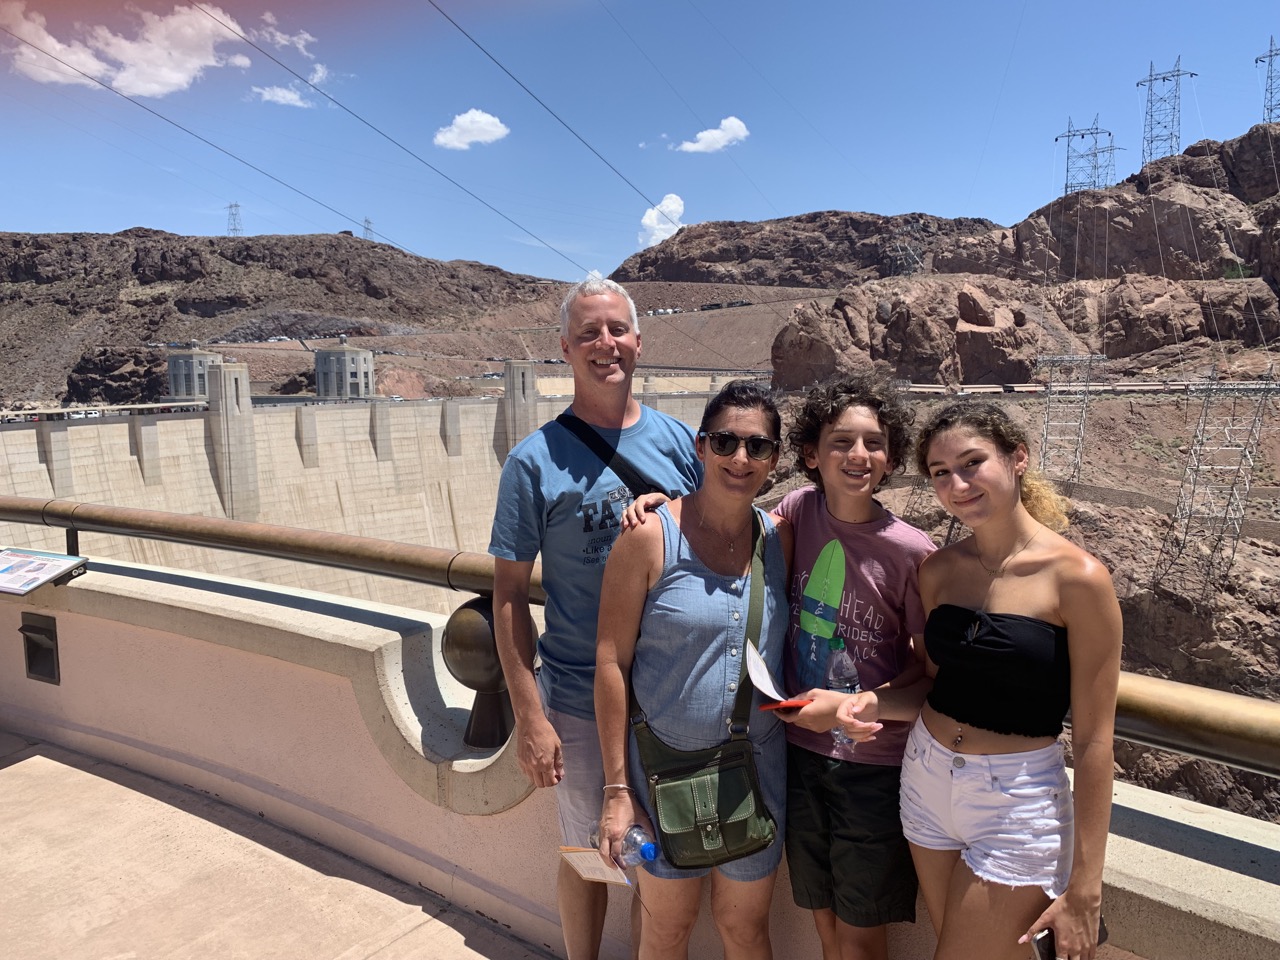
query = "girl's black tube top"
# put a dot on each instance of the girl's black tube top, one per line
(999, 671)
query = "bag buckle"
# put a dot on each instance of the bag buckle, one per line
(740, 728)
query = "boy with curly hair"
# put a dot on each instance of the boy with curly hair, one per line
(854, 598)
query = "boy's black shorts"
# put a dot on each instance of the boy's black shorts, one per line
(845, 848)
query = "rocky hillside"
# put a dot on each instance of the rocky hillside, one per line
(829, 249)
(1182, 257)
(68, 296)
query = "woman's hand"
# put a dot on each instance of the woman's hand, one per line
(1074, 922)
(619, 811)
(634, 515)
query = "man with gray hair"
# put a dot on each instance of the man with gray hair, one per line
(560, 499)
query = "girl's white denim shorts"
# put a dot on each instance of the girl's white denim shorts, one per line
(1010, 814)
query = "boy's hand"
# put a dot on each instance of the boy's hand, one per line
(634, 515)
(818, 715)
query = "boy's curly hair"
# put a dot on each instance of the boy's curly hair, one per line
(825, 402)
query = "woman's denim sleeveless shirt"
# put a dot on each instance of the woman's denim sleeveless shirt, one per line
(688, 656)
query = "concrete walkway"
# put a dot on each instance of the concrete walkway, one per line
(98, 862)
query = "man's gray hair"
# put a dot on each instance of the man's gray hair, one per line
(593, 287)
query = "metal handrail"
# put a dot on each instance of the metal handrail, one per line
(1240, 731)
(454, 569)
(1229, 728)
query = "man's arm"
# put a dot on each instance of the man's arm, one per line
(537, 745)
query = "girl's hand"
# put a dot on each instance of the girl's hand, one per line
(857, 716)
(1075, 927)
(634, 515)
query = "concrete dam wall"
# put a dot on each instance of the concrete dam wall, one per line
(423, 472)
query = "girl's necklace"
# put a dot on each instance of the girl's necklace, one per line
(693, 502)
(996, 573)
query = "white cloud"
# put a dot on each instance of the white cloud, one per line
(285, 96)
(661, 221)
(273, 35)
(32, 27)
(731, 131)
(474, 126)
(319, 74)
(165, 54)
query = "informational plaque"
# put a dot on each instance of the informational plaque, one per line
(22, 570)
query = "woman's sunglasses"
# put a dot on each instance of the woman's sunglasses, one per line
(726, 445)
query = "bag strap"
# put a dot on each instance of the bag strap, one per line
(740, 724)
(755, 613)
(608, 455)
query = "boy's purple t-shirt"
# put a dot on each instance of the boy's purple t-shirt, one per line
(876, 614)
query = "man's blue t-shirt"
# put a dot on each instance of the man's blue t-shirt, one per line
(556, 498)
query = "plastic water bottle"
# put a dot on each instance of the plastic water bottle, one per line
(637, 845)
(842, 676)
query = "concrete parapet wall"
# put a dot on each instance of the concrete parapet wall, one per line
(333, 718)
(336, 719)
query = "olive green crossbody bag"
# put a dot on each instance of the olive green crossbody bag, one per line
(707, 803)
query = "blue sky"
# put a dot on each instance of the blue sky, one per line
(712, 109)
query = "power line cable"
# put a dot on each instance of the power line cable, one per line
(205, 140)
(389, 138)
(665, 79)
(577, 136)
(777, 93)
(656, 207)
(149, 161)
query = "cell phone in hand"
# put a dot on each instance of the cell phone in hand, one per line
(785, 704)
(1043, 946)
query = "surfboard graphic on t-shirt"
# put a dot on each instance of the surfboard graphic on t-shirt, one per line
(819, 607)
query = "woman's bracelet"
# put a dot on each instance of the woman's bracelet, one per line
(618, 786)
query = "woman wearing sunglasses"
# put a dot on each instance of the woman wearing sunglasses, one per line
(673, 617)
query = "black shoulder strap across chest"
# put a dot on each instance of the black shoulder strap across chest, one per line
(609, 455)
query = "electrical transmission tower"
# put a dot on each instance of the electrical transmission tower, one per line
(1200, 545)
(1271, 100)
(1065, 404)
(368, 229)
(904, 259)
(1104, 162)
(1162, 129)
(233, 220)
(1090, 166)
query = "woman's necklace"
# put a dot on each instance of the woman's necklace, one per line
(693, 502)
(995, 574)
